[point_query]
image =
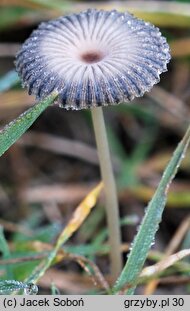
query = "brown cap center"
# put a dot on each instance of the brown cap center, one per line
(92, 57)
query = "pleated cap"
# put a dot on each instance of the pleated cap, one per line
(95, 58)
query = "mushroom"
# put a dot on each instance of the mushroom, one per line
(95, 59)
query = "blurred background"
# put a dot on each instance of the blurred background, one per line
(46, 174)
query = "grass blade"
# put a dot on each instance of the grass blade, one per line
(150, 223)
(14, 130)
(80, 214)
(12, 286)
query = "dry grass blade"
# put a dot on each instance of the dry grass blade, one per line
(164, 264)
(97, 276)
(178, 236)
(61, 146)
(13, 261)
(80, 214)
(170, 103)
(173, 245)
(173, 280)
(70, 193)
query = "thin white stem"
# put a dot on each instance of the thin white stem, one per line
(112, 208)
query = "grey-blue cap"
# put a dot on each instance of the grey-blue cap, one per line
(94, 58)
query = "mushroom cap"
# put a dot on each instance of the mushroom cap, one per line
(94, 58)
